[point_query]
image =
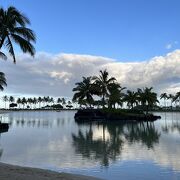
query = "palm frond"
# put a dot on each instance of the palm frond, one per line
(25, 45)
(3, 56)
(10, 48)
(17, 16)
(27, 33)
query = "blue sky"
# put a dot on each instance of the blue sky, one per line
(127, 30)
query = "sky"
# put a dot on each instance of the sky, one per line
(138, 41)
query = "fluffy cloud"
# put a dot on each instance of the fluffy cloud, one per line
(55, 75)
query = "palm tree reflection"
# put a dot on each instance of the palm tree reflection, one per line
(108, 149)
(2, 131)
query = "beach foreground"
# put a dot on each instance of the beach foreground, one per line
(11, 172)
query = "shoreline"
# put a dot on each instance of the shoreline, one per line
(11, 172)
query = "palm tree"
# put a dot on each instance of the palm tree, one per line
(13, 29)
(59, 100)
(171, 97)
(147, 98)
(34, 101)
(115, 95)
(84, 91)
(5, 99)
(177, 97)
(103, 83)
(131, 98)
(2, 81)
(19, 101)
(23, 101)
(63, 101)
(39, 100)
(11, 99)
(51, 100)
(164, 96)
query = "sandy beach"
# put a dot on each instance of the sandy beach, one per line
(11, 172)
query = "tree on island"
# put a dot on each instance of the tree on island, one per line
(131, 98)
(84, 91)
(103, 83)
(148, 98)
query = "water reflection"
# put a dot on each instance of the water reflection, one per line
(54, 141)
(2, 131)
(171, 123)
(108, 149)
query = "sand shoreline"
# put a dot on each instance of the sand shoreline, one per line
(12, 172)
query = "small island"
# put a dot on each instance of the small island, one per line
(103, 99)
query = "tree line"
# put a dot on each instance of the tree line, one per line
(104, 91)
(36, 102)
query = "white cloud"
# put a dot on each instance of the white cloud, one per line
(168, 46)
(171, 45)
(55, 75)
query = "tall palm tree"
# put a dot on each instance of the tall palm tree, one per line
(177, 97)
(13, 29)
(84, 91)
(171, 97)
(5, 99)
(131, 98)
(63, 101)
(39, 100)
(103, 83)
(11, 99)
(165, 97)
(115, 95)
(59, 100)
(23, 101)
(2, 81)
(19, 101)
(34, 101)
(147, 97)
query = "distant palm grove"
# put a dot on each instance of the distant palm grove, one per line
(105, 92)
(45, 102)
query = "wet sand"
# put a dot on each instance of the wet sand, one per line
(11, 172)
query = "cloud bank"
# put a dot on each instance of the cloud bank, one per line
(56, 74)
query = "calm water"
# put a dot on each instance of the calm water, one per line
(52, 140)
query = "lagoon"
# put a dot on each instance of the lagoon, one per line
(52, 140)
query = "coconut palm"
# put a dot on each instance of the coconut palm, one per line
(147, 97)
(2, 81)
(5, 99)
(84, 91)
(177, 97)
(63, 101)
(39, 100)
(23, 101)
(59, 100)
(11, 99)
(171, 97)
(34, 101)
(51, 100)
(115, 95)
(19, 102)
(103, 83)
(13, 29)
(131, 98)
(165, 97)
